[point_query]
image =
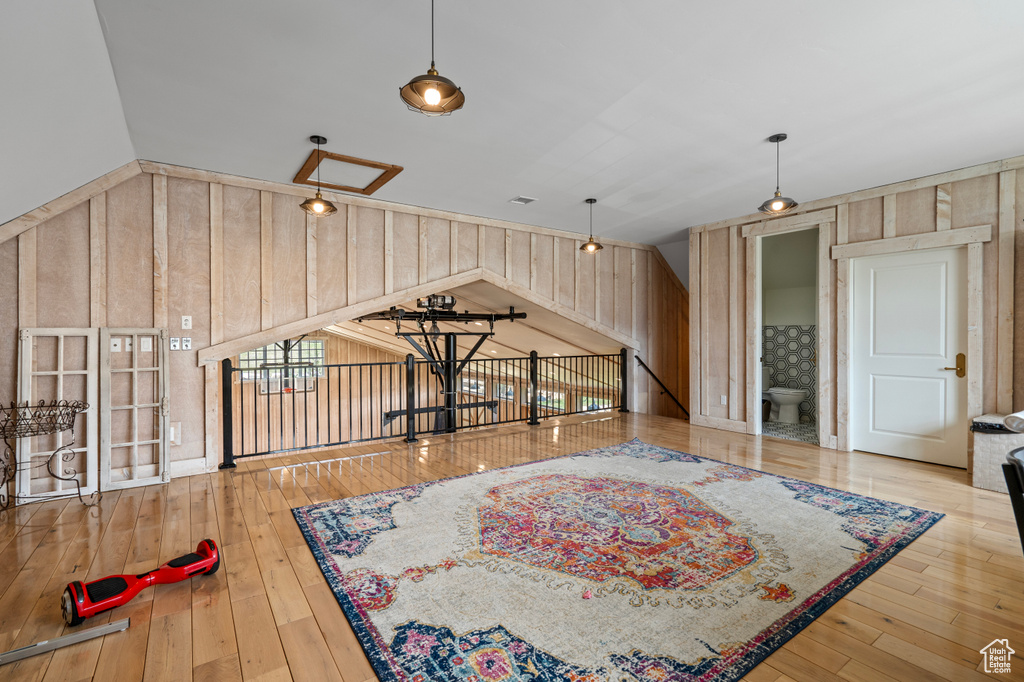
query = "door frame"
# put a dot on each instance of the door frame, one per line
(824, 222)
(973, 238)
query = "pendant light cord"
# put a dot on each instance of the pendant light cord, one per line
(776, 162)
(318, 160)
(591, 221)
(431, 33)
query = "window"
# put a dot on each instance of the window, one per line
(590, 404)
(278, 370)
(504, 391)
(473, 386)
(550, 400)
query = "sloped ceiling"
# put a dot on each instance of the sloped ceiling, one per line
(659, 109)
(61, 122)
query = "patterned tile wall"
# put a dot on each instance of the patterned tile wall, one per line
(790, 353)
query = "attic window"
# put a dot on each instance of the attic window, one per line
(345, 173)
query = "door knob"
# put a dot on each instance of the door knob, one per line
(961, 365)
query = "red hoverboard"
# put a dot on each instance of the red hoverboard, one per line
(81, 601)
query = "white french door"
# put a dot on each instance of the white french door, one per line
(909, 326)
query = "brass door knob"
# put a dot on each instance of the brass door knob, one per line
(961, 365)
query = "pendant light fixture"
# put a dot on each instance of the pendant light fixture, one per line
(432, 94)
(318, 205)
(778, 204)
(591, 246)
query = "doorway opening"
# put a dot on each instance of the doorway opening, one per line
(789, 335)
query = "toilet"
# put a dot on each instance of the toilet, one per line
(785, 401)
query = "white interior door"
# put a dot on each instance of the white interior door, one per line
(909, 324)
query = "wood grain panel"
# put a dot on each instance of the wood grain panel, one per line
(160, 252)
(62, 279)
(188, 280)
(586, 284)
(407, 250)
(467, 239)
(332, 260)
(369, 254)
(974, 202)
(242, 308)
(622, 289)
(915, 211)
(604, 288)
(542, 265)
(1018, 296)
(289, 260)
(716, 300)
(266, 260)
(518, 257)
(566, 264)
(130, 253)
(864, 221)
(435, 249)
(8, 321)
(494, 250)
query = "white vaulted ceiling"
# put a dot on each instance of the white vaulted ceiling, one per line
(660, 109)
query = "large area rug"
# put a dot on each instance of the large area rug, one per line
(631, 562)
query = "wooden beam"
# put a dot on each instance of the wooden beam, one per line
(943, 207)
(352, 253)
(695, 316)
(914, 242)
(311, 264)
(753, 334)
(975, 330)
(1004, 325)
(888, 216)
(789, 223)
(843, 353)
(389, 252)
(13, 228)
(842, 224)
(217, 265)
(160, 252)
(266, 259)
(734, 323)
(27, 280)
(453, 247)
(705, 331)
(98, 260)
(824, 351)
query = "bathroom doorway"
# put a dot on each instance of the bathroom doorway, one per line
(789, 336)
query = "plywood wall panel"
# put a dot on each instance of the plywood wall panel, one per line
(435, 248)
(332, 260)
(62, 269)
(990, 321)
(542, 267)
(407, 249)
(188, 280)
(369, 230)
(241, 268)
(622, 289)
(494, 250)
(130, 253)
(915, 212)
(566, 259)
(519, 257)
(605, 286)
(8, 321)
(468, 245)
(586, 282)
(975, 202)
(289, 260)
(717, 301)
(1018, 300)
(865, 221)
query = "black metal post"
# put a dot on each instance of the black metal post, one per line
(451, 394)
(227, 413)
(623, 381)
(534, 381)
(410, 398)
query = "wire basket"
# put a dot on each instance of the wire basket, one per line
(24, 420)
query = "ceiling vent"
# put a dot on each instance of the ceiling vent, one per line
(522, 201)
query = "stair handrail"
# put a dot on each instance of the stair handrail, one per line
(664, 388)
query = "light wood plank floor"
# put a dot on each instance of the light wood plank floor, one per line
(269, 615)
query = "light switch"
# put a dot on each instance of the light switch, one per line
(175, 343)
(186, 343)
(146, 344)
(115, 344)
(186, 321)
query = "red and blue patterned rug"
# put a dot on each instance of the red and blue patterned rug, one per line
(631, 562)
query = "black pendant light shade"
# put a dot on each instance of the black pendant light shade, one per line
(432, 94)
(591, 246)
(778, 204)
(318, 205)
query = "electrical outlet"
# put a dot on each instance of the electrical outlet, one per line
(175, 343)
(115, 344)
(127, 344)
(174, 437)
(186, 321)
(725, 400)
(186, 343)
